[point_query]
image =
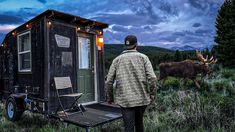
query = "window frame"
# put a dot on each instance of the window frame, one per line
(24, 52)
(89, 53)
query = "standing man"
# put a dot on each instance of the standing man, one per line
(133, 72)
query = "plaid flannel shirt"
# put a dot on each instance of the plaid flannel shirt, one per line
(133, 73)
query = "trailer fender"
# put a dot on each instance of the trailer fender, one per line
(19, 99)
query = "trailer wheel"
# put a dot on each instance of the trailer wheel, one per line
(13, 111)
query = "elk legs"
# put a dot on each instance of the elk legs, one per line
(196, 83)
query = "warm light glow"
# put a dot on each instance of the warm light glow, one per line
(49, 23)
(100, 32)
(14, 33)
(28, 25)
(4, 45)
(100, 41)
(78, 28)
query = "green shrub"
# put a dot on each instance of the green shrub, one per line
(233, 78)
(221, 84)
(227, 73)
(186, 84)
(205, 86)
(172, 82)
(217, 67)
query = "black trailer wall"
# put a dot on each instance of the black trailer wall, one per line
(59, 67)
(10, 76)
(8, 56)
(34, 79)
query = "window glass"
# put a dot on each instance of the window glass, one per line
(24, 42)
(84, 52)
(25, 61)
(24, 52)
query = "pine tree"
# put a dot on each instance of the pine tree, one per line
(225, 34)
(178, 56)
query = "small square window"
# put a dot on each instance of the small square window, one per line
(24, 52)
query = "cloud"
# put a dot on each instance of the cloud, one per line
(125, 19)
(143, 8)
(163, 23)
(147, 27)
(203, 31)
(2, 36)
(10, 19)
(6, 28)
(196, 25)
(120, 28)
(198, 4)
(42, 1)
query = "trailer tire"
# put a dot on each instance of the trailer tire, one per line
(13, 111)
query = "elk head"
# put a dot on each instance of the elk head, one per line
(205, 62)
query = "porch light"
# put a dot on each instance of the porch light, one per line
(100, 41)
(49, 23)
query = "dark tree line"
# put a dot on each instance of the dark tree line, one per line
(156, 58)
(225, 34)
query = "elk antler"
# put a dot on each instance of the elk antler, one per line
(200, 57)
(213, 61)
(205, 60)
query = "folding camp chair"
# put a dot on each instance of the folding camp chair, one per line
(62, 84)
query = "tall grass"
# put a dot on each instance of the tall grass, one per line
(180, 107)
(211, 108)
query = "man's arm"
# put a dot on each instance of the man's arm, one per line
(109, 82)
(152, 79)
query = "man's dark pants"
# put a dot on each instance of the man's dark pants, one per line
(133, 118)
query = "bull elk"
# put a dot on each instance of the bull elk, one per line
(187, 69)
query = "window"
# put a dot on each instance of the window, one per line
(84, 52)
(24, 52)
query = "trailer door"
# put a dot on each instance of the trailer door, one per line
(85, 68)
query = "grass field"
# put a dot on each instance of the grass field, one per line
(179, 107)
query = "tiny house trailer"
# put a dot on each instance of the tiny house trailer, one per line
(55, 44)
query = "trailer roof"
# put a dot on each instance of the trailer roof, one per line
(53, 14)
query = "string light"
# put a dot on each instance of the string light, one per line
(4, 45)
(29, 25)
(14, 33)
(78, 28)
(100, 32)
(49, 23)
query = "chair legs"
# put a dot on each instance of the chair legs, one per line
(61, 106)
(75, 102)
(79, 106)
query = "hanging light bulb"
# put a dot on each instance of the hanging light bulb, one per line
(78, 29)
(14, 33)
(29, 25)
(4, 45)
(100, 32)
(49, 23)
